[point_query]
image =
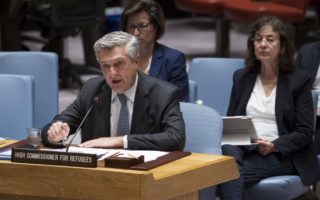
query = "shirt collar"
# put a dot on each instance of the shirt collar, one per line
(130, 94)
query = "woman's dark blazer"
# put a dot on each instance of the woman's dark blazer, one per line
(170, 65)
(294, 116)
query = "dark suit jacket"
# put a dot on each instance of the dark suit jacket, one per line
(309, 60)
(294, 116)
(170, 65)
(157, 123)
(309, 57)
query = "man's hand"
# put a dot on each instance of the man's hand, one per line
(58, 131)
(265, 147)
(105, 142)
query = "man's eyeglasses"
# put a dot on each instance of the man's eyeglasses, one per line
(140, 27)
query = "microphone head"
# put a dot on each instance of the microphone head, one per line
(96, 99)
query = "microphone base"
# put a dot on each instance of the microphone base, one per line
(36, 156)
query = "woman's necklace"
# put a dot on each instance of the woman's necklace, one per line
(144, 69)
(268, 85)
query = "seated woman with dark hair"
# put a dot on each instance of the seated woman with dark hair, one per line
(277, 96)
(145, 20)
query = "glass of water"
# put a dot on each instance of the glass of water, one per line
(34, 137)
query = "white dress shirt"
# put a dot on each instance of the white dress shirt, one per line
(116, 106)
(262, 110)
(147, 69)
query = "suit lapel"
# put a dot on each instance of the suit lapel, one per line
(103, 111)
(141, 107)
(156, 62)
(280, 99)
(248, 84)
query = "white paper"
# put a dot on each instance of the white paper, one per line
(238, 130)
(98, 151)
(148, 154)
(5, 155)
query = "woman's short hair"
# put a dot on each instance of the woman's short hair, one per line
(151, 7)
(118, 39)
(287, 50)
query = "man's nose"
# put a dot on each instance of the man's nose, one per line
(112, 70)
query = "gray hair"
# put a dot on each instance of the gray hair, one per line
(118, 39)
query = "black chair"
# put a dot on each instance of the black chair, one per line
(11, 12)
(58, 19)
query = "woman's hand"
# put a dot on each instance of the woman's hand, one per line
(265, 147)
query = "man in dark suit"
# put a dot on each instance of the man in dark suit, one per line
(309, 60)
(153, 105)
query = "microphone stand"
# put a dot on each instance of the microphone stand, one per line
(77, 131)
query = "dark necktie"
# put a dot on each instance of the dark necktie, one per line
(123, 122)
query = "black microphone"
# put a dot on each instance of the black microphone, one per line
(95, 100)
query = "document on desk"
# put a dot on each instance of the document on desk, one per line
(148, 154)
(5, 155)
(238, 130)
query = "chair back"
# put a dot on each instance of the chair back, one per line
(193, 91)
(203, 135)
(299, 4)
(213, 77)
(203, 128)
(315, 105)
(43, 66)
(299, 7)
(16, 105)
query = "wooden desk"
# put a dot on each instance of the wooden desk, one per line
(180, 179)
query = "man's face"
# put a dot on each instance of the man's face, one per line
(118, 69)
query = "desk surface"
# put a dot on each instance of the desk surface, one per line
(180, 178)
(6, 142)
